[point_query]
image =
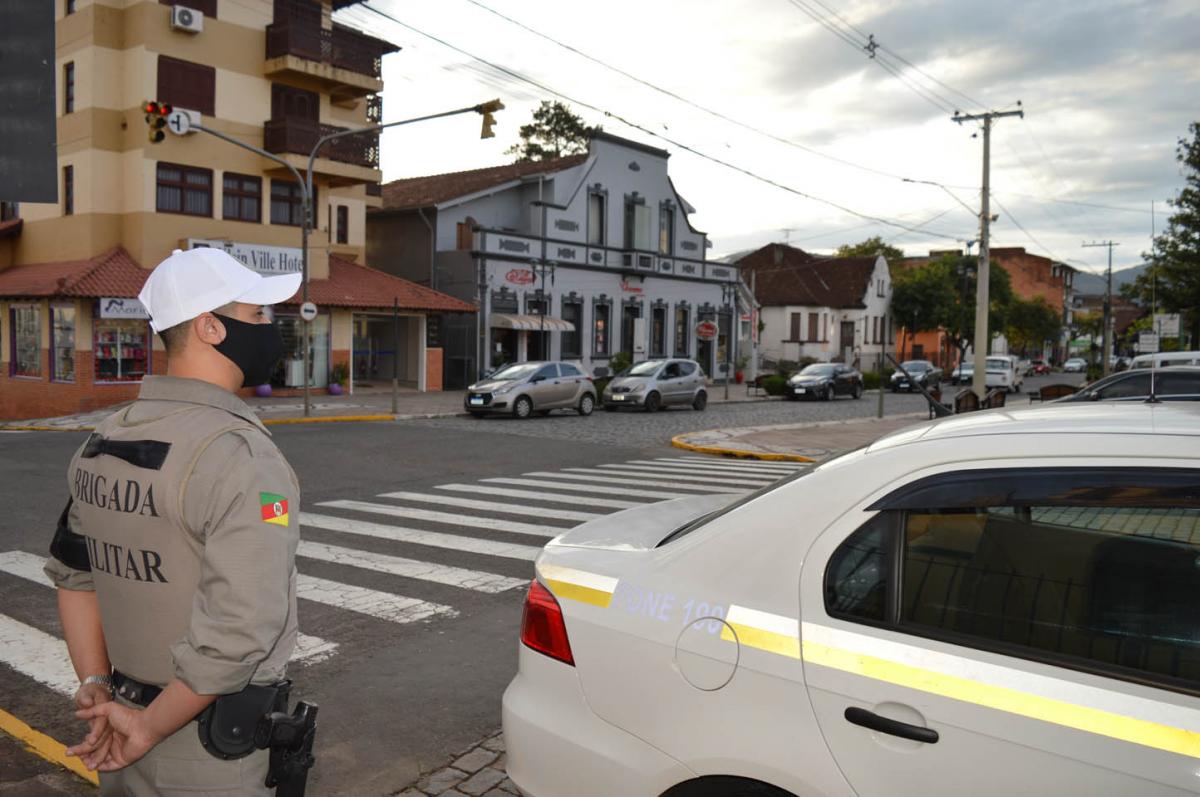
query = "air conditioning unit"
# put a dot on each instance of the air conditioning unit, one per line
(187, 19)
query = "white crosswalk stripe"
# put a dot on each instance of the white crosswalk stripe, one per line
(707, 468)
(409, 568)
(662, 473)
(493, 506)
(381, 605)
(37, 655)
(634, 478)
(594, 486)
(573, 500)
(449, 518)
(28, 566)
(737, 463)
(433, 539)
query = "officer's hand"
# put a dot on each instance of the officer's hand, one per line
(131, 736)
(94, 747)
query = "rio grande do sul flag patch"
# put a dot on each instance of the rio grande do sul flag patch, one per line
(274, 508)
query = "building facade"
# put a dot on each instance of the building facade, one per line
(576, 258)
(276, 74)
(1032, 277)
(820, 308)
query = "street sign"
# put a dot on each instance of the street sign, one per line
(1167, 324)
(706, 330)
(179, 122)
(1147, 343)
(308, 311)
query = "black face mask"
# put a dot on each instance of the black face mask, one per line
(254, 348)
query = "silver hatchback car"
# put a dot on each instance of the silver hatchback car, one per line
(655, 384)
(522, 389)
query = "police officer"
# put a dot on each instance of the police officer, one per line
(184, 525)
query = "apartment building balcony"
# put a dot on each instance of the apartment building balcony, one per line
(343, 161)
(348, 63)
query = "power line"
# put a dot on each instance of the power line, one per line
(531, 81)
(1028, 234)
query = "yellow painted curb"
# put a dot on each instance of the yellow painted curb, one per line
(329, 419)
(15, 428)
(679, 442)
(42, 745)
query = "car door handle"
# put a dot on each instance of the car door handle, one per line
(869, 719)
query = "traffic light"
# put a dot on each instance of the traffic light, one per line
(156, 119)
(489, 121)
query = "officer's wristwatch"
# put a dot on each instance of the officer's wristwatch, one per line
(103, 680)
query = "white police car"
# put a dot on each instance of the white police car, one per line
(998, 603)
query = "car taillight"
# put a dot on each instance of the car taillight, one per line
(542, 626)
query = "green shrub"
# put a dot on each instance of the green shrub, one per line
(871, 380)
(601, 383)
(619, 362)
(774, 385)
(1094, 372)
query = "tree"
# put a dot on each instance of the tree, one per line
(1176, 255)
(1031, 323)
(870, 247)
(554, 132)
(941, 295)
(1091, 326)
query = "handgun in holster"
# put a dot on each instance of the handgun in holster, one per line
(290, 739)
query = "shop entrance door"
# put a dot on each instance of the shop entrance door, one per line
(375, 350)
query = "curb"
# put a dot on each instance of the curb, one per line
(737, 453)
(16, 428)
(327, 419)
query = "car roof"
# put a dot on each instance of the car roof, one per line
(1167, 418)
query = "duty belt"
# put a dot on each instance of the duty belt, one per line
(133, 690)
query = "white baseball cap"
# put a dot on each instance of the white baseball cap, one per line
(195, 281)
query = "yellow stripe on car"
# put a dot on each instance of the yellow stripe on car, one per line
(579, 585)
(1125, 717)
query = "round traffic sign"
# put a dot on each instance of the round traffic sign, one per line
(308, 311)
(706, 330)
(179, 122)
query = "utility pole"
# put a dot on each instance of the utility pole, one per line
(1108, 315)
(979, 379)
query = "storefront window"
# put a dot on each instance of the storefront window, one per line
(26, 340)
(121, 348)
(572, 311)
(62, 343)
(290, 372)
(681, 331)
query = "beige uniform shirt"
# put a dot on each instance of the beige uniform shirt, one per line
(193, 563)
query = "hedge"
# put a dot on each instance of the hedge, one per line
(774, 385)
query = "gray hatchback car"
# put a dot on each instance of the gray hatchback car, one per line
(522, 389)
(655, 384)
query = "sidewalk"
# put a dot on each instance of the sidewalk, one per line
(796, 442)
(369, 404)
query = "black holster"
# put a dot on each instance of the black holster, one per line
(256, 718)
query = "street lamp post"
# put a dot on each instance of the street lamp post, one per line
(486, 109)
(728, 300)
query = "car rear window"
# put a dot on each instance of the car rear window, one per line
(693, 525)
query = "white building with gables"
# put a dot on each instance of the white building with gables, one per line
(575, 258)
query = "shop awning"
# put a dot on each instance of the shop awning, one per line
(531, 322)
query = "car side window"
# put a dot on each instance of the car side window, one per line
(1177, 384)
(1130, 387)
(671, 371)
(856, 580)
(547, 372)
(687, 369)
(1108, 589)
(569, 370)
(1110, 586)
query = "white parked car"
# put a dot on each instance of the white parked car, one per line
(994, 603)
(1075, 364)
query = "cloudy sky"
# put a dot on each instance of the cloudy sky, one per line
(1108, 88)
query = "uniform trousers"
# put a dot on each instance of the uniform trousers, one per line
(180, 767)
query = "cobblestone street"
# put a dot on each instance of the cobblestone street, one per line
(477, 772)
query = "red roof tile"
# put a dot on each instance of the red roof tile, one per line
(786, 275)
(352, 285)
(422, 192)
(114, 273)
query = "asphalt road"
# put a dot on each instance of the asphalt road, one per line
(414, 600)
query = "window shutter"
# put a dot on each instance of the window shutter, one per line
(796, 326)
